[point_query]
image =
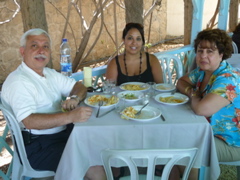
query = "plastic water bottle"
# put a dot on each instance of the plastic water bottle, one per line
(66, 61)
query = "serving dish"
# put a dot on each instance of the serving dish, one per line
(134, 86)
(108, 100)
(171, 99)
(148, 113)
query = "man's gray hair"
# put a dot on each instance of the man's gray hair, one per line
(33, 32)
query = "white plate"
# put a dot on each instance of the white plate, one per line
(177, 96)
(122, 86)
(163, 87)
(104, 104)
(148, 113)
(135, 94)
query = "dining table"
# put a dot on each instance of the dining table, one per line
(182, 128)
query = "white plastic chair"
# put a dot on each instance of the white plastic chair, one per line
(3, 144)
(167, 157)
(21, 167)
(235, 48)
(172, 68)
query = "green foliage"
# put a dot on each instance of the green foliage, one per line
(148, 45)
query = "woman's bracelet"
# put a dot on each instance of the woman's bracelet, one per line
(187, 88)
(193, 94)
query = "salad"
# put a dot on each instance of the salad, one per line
(130, 96)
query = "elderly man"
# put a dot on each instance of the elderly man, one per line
(34, 93)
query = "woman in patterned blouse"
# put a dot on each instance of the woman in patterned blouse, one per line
(214, 88)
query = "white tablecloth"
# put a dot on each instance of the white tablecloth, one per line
(182, 129)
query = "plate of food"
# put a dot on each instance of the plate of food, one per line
(108, 100)
(131, 96)
(134, 86)
(171, 99)
(164, 87)
(148, 113)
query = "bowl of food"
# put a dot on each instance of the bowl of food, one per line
(148, 113)
(134, 86)
(108, 100)
(131, 96)
(164, 87)
(171, 99)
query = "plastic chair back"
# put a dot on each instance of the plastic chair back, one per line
(97, 72)
(4, 144)
(21, 166)
(235, 48)
(153, 157)
(172, 68)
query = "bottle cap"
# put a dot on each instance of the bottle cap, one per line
(64, 40)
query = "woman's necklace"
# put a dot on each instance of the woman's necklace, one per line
(140, 65)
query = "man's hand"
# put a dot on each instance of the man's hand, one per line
(81, 114)
(69, 104)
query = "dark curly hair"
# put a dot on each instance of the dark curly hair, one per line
(217, 37)
(131, 25)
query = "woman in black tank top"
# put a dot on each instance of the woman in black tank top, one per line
(134, 65)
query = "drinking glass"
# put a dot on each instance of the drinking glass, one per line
(145, 98)
(112, 85)
(106, 87)
(152, 88)
(109, 86)
(120, 106)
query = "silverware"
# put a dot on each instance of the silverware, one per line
(139, 112)
(100, 103)
(163, 118)
(106, 112)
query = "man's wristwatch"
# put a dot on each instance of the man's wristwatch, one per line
(77, 98)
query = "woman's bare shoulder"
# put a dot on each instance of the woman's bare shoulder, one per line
(153, 58)
(112, 61)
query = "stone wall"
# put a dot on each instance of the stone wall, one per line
(11, 32)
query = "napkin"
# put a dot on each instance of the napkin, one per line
(87, 76)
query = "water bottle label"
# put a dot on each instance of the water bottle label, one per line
(66, 67)
(65, 59)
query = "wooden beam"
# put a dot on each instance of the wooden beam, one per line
(188, 11)
(233, 15)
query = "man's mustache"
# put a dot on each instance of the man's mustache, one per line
(40, 56)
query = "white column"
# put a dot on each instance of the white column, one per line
(223, 14)
(197, 18)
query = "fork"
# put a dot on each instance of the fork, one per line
(100, 103)
(139, 112)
